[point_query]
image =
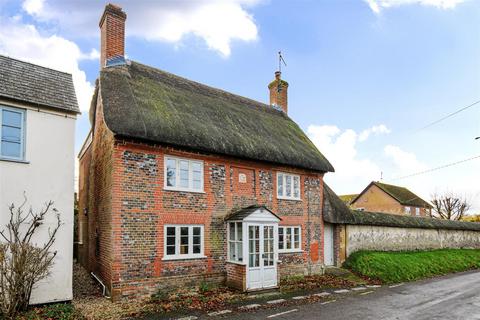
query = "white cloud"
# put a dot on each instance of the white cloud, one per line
(376, 130)
(353, 171)
(340, 147)
(217, 22)
(24, 42)
(405, 162)
(32, 6)
(378, 5)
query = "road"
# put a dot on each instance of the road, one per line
(450, 297)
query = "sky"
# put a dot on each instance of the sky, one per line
(366, 76)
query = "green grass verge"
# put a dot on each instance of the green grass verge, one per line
(394, 267)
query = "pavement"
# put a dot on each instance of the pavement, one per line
(451, 297)
(455, 296)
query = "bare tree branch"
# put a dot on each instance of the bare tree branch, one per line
(449, 206)
(23, 263)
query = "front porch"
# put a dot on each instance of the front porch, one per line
(252, 257)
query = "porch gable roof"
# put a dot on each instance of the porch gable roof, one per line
(254, 213)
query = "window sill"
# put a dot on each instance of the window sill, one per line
(182, 190)
(236, 262)
(290, 251)
(14, 160)
(290, 199)
(183, 258)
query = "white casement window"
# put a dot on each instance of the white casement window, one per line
(183, 242)
(288, 186)
(407, 210)
(12, 133)
(417, 211)
(235, 243)
(289, 239)
(183, 174)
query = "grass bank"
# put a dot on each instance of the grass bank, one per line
(394, 267)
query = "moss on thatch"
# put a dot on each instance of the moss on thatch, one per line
(334, 209)
(146, 103)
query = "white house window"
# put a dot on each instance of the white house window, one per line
(235, 246)
(417, 211)
(407, 210)
(12, 133)
(288, 186)
(183, 241)
(183, 174)
(289, 239)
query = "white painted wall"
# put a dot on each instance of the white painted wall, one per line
(48, 175)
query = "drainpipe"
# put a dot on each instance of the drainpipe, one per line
(101, 283)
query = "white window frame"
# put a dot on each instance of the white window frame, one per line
(236, 242)
(417, 211)
(177, 174)
(290, 176)
(408, 210)
(22, 130)
(292, 249)
(177, 255)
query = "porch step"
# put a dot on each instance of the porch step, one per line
(263, 292)
(337, 271)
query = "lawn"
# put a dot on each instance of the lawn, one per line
(395, 267)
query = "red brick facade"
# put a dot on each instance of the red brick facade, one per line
(112, 34)
(279, 92)
(127, 208)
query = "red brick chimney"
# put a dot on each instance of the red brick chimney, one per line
(112, 35)
(278, 92)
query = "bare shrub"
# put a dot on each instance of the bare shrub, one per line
(449, 206)
(22, 261)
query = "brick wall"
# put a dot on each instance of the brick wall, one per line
(83, 184)
(129, 208)
(236, 276)
(279, 97)
(95, 194)
(112, 34)
(376, 200)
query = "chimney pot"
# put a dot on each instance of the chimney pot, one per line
(112, 35)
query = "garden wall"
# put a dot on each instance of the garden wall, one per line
(385, 238)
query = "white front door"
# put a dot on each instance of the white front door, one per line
(262, 264)
(328, 255)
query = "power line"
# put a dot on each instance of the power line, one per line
(449, 115)
(437, 168)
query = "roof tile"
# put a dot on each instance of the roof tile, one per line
(26, 82)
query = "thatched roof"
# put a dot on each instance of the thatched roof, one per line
(145, 103)
(337, 212)
(334, 209)
(347, 198)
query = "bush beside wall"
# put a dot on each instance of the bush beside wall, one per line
(394, 267)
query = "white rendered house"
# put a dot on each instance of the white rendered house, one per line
(38, 109)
